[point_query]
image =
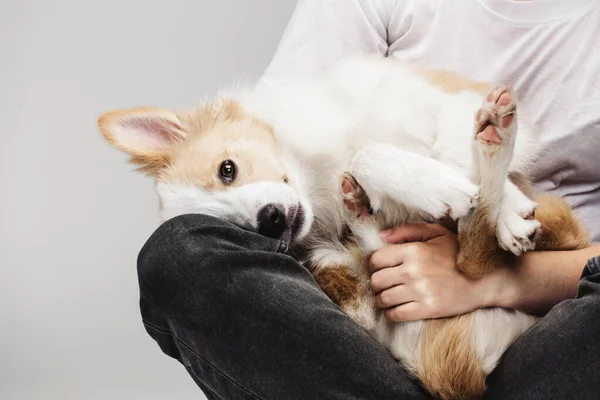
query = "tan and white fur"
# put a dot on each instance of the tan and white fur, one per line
(413, 142)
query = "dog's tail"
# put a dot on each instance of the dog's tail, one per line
(449, 368)
(561, 230)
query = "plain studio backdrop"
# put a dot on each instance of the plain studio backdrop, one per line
(73, 214)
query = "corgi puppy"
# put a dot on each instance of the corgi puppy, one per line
(216, 160)
(301, 160)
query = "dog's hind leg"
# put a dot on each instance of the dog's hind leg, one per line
(448, 365)
(493, 146)
(451, 368)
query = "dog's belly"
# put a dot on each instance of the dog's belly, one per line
(485, 333)
(495, 329)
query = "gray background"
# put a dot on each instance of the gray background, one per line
(73, 215)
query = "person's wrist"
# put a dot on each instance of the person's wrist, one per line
(497, 289)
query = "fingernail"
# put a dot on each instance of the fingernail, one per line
(385, 233)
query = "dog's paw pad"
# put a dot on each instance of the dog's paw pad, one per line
(489, 135)
(355, 198)
(494, 120)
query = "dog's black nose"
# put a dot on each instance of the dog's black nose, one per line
(271, 221)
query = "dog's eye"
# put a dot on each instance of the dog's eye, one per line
(227, 171)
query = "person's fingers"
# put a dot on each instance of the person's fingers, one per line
(388, 256)
(412, 311)
(394, 296)
(386, 278)
(396, 254)
(413, 233)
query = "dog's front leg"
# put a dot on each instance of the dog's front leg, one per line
(387, 172)
(517, 228)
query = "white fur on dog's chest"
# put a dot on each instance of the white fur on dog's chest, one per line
(327, 121)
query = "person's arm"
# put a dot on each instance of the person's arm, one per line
(541, 279)
(416, 277)
(321, 32)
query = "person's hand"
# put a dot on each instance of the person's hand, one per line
(416, 276)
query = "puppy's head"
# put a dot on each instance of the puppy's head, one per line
(215, 160)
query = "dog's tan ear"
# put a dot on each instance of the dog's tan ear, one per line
(147, 134)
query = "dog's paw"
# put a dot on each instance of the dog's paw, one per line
(495, 121)
(517, 231)
(354, 196)
(454, 196)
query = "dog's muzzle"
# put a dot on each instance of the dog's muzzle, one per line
(275, 222)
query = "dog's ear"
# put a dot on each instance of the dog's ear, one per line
(147, 134)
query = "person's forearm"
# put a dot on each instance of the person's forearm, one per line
(541, 279)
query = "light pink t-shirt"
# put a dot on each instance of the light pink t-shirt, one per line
(548, 50)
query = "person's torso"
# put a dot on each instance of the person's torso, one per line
(548, 51)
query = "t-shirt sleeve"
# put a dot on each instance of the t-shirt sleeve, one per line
(323, 31)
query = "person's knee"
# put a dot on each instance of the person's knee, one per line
(192, 271)
(182, 263)
(178, 244)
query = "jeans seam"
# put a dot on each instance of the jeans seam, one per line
(203, 359)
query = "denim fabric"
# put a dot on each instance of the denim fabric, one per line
(249, 322)
(559, 357)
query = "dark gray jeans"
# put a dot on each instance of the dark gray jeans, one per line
(249, 322)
